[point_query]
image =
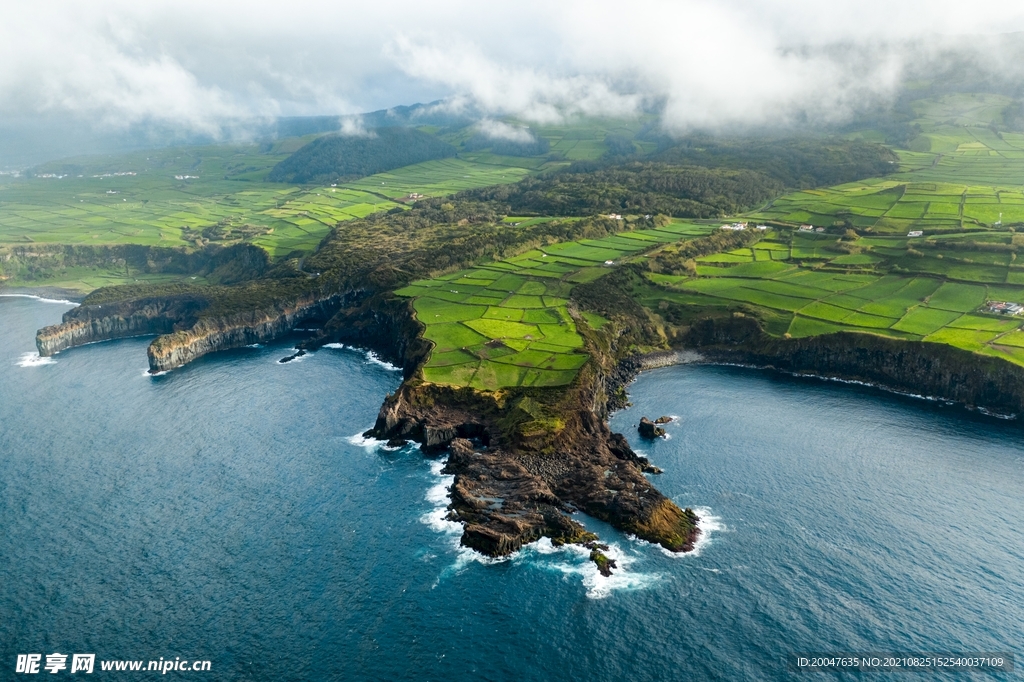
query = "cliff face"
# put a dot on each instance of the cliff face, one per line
(916, 367)
(185, 333)
(91, 323)
(530, 477)
(222, 333)
(380, 322)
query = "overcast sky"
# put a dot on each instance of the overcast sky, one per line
(193, 64)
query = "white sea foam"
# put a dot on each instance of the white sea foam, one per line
(375, 359)
(41, 299)
(569, 560)
(708, 524)
(371, 357)
(437, 495)
(365, 442)
(33, 359)
(255, 345)
(147, 373)
(574, 561)
(292, 357)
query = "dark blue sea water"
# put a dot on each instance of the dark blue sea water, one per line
(225, 511)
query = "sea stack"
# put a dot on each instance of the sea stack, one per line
(649, 429)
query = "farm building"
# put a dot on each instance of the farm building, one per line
(915, 233)
(1005, 308)
(806, 228)
(735, 226)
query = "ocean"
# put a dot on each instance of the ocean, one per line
(229, 511)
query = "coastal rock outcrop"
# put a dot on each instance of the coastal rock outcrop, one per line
(221, 333)
(185, 331)
(91, 323)
(509, 493)
(649, 429)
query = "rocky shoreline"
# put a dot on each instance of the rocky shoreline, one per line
(526, 460)
(52, 293)
(509, 492)
(183, 334)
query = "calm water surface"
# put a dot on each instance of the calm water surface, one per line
(228, 511)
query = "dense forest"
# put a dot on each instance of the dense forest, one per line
(338, 157)
(797, 163)
(437, 235)
(634, 187)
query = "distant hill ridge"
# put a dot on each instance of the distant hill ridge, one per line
(338, 157)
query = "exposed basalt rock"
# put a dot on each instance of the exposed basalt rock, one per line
(185, 333)
(503, 504)
(213, 334)
(663, 420)
(383, 323)
(919, 368)
(649, 429)
(514, 492)
(647, 467)
(91, 323)
(604, 564)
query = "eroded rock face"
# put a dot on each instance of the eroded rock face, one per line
(507, 494)
(930, 369)
(649, 429)
(91, 323)
(184, 334)
(213, 334)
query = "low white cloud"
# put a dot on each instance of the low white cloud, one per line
(353, 126)
(498, 130)
(195, 64)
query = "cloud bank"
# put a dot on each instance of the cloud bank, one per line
(196, 65)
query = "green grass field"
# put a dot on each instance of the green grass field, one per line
(506, 323)
(164, 198)
(957, 174)
(818, 291)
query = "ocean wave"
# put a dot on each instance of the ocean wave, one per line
(362, 441)
(568, 560)
(371, 357)
(296, 356)
(574, 561)
(437, 495)
(33, 359)
(374, 444)
(41, 299)
(708, 525)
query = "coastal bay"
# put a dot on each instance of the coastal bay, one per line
(236, 493)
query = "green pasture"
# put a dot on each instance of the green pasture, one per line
(168, 198)
(506, 323)
(880, 289)
(959, 173)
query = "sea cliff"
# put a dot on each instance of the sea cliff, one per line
(185, 331)
(914, 367)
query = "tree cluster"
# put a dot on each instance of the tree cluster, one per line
(798, 163)
(337, 157)
(635, 187)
